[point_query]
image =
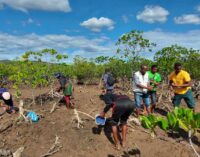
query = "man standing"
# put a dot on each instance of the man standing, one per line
(180, 81)
(109, 81)
(122, 107)
(155, 80)
(141, 85)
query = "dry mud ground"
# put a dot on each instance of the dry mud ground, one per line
(37, 138)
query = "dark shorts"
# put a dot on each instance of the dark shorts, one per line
(121, 111)
(188, 97)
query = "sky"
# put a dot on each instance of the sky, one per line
(90, 28)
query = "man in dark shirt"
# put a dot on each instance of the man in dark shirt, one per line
(7, 99)
(122, 107)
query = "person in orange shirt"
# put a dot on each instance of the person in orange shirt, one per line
(180, 81)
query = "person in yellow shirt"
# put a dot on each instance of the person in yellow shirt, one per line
(180, 81)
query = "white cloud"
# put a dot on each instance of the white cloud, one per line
(198, 8)
(96, 25)
(163, 39)
(125, 18)
(45, 5)
(12, 46)
(187, 19)
(152, 14)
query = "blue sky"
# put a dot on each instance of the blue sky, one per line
(91, 27)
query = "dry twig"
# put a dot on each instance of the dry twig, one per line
(77, 119)
(54, 149)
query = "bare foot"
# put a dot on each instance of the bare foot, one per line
(123, 144)
(117, 147)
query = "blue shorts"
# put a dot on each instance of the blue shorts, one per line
(141, 96)
(153, 97)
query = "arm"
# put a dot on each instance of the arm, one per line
(4, 105)
(105, 110)
(137, 82)
(186, 84)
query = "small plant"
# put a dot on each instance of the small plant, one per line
(179, 118)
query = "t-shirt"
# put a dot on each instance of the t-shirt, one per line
(138, 78)
(179, 79)
(154, 77)
(68, 89)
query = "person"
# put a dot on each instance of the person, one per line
(67, 88)
(7, 103)
(68, 92)
(141, 86)
(109, 81)
(180, 82)
(155, 80)
(122, 108)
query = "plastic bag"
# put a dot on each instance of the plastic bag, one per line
(32, 116)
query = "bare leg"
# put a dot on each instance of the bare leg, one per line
(124, 131)
(149, 110)
(115, 135)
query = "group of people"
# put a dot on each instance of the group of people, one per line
(145, 85)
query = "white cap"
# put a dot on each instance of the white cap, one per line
(6, 95)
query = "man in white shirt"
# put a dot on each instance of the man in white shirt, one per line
(141, 85)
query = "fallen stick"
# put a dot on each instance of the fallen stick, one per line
(18, 152)
(5, 126)
(54, 148)
(78, 119)
(191, 144)
(86, 114)
(4, 152)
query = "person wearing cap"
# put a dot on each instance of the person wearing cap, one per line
(7, 99)
(67, 88)
(122, 108)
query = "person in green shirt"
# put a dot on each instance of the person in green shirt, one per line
(68, 92)
(155, 80)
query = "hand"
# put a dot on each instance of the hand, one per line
(102, 114)
(149, 88)
(175, 86)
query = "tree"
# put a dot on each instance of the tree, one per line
(132, 44)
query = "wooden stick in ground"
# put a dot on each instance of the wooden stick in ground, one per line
(161, 93)
(54, 148)
(53, 107)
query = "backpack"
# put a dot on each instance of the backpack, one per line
(110, 80)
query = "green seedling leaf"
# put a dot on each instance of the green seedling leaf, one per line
(183, 125)
(172, 120)
(145, 122)
(162, 123)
